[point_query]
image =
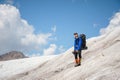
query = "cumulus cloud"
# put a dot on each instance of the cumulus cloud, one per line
(34, 55)
(61, 49)
(114, 22)
(16, 33)
(51, 50)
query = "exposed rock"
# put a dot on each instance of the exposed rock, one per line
(12, 55)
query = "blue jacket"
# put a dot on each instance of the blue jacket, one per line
(77, 43)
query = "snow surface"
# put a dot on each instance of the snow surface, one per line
(12, 67)
(100, 62)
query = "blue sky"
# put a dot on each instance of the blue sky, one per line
(68, 16)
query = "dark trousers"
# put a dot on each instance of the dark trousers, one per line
(77, 54)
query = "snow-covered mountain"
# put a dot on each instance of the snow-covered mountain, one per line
(100, 62)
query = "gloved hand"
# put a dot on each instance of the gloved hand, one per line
(76, 51)
(73, 52)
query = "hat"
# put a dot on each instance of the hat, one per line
(75, 33)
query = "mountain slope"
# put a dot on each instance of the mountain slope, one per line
(13, 67)
(100, 62)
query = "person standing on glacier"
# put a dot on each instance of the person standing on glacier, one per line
(77, 49)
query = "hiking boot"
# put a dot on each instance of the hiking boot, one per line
(76, 65)
(79, 64)
(76, 61)
(79, 61)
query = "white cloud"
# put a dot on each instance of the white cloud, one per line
(114, 22)
(54, 28)
(61, 49)
(16, 33)
(51, 50)
(35, 55)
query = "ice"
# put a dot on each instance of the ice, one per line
(12, 67)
